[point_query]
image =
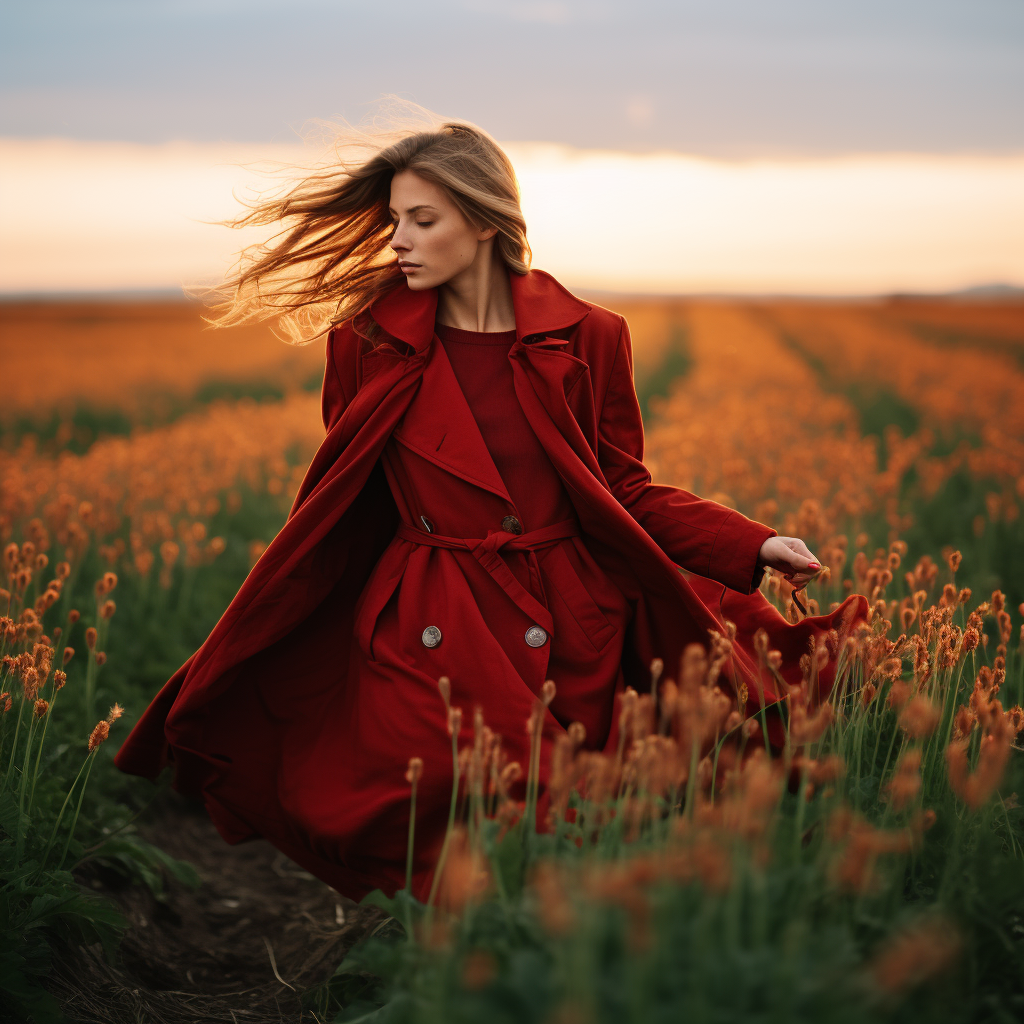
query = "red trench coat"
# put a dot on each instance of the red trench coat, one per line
(290, 721)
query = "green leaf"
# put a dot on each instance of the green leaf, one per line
(378, 899)
(144, 862)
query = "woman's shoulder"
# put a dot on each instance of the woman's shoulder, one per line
(603, 323)
(597, 339)
(594, 320)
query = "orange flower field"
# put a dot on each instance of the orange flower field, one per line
(869, 866)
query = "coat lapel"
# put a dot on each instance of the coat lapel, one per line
(552, 385)
(440, 427)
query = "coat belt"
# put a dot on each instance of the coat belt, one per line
(485, 551)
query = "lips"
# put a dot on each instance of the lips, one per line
(406, 267)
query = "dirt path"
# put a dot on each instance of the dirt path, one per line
(240, 948)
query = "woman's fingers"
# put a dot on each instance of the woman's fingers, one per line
(806, 559)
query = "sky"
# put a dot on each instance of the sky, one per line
(736, 145)
(716, 77)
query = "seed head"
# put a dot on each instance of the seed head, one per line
(920, 717)
(108, 609)
(99, 735)
(40, 708)
(547, 692)
(454, 721)
(415, 770)
(761, 641)
(90, 638)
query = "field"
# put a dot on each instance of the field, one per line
(871, 869)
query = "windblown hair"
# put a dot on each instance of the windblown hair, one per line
(331, 259)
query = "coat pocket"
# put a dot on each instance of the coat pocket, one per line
(572, 592)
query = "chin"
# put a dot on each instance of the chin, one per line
(421, 281)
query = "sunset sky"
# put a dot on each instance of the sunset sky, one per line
(741, 145)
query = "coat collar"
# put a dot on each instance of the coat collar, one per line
(540, 303)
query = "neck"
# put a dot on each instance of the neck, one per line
(478, 298)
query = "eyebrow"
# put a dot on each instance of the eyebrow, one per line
(414, 209)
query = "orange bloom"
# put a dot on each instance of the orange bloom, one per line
(415, 770)
(553, 907)
(899, 694)
(919, 718)
(454, 721)
(975, 788)
(914, 955)
(905, 784)
(99, 735)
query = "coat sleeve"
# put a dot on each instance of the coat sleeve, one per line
(702, 536)
(339, 373)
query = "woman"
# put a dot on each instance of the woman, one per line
(478, 509)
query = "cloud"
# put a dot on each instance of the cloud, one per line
(105, 216)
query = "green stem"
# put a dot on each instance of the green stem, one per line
(78, 809)
(451, 822)
(14, 746)
(409, 847)
(23, 784)
(39, 750)
(90, 685)
(60, 816)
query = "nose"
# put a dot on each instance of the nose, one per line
(398, 240)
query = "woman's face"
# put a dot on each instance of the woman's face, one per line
(433, 240)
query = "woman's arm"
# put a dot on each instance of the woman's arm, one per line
(340, 381)
(702, 536)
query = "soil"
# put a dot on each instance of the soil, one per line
(239, 949)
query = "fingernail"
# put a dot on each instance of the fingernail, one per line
(813, 565)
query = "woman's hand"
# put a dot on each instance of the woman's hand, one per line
(791, 557)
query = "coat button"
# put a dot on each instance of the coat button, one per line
(427, 524)
(432, 636)
(536, 637)
(510, 524)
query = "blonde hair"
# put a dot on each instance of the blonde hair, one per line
(331, 260)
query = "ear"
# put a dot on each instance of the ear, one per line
(486, 233)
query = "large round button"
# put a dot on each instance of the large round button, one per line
(536, 637)
(432, 636)
(510, 524)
